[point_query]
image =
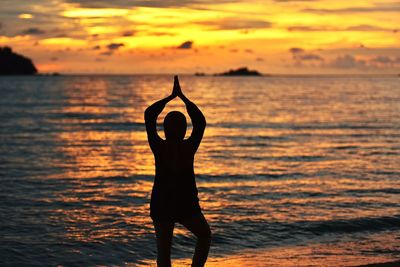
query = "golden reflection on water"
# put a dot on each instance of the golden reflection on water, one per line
(103, 154)
(327, 255)
(104, 137)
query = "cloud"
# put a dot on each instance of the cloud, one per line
(296, 50)
(186, 45)
(160, 33)
(308, 57)
(32, 31)
(299, 55)
(143, 3)
(289, 1)
(106, 53)
(346, 62)
(235, 24)
(381, 7)
(306, 28)
(382, 59)
(110, 48)
(115, 46)
(45, 18)
(362, 27)
(385, 60)
(366, 27)
(303, 59)
(128, 33)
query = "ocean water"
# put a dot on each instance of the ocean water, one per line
(292, 171)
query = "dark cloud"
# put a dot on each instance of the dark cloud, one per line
(32, 31)
(106, 53)
(379, 7)
(382, 59)
(54, 59)
(306, 28)
(143, 3)
(235, 24)
(299, 55)
(186, 45)
(259, 59)
(346, 62)
(250, 51)
(128, 33)
(160, 33)
(365, 27)
(44, 18)
(362, 27)
(369, 59)
(385, 60)
(308, 57)
(296, 50)
(115, 46)
(290, 1)
(96, 47)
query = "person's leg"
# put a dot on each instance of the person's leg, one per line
(199, 227)
(164, 231)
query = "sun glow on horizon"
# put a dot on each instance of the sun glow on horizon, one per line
(272, 36)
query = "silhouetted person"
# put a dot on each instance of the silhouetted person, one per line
(174, 195)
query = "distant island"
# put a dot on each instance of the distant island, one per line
(15, 64)
(244, 71)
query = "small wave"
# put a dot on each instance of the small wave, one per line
(255, 138)
(256, 176)
(110, 126)
(373, 191)
(353, 225)
(265, 233)
(345, 147)
(304, 126)
(82, 116)
(300, 158)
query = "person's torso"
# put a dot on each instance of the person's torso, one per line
(174, 171)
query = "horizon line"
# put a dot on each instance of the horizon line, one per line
(203, 74)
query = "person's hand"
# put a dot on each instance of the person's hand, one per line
(177, 91)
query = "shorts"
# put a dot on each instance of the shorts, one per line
(175, 213)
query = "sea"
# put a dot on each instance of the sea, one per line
(292, 170)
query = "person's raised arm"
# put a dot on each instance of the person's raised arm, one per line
(197, 117)
(150, 118)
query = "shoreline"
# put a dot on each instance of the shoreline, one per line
(382, 264)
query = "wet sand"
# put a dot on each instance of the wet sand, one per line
(384, 264)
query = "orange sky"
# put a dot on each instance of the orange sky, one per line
(170, 36)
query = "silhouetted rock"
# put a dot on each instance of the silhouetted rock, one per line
(15, 64)
(240, 72)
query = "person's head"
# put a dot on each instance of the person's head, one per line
(175, 126)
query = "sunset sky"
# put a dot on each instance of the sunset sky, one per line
(169, 36)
